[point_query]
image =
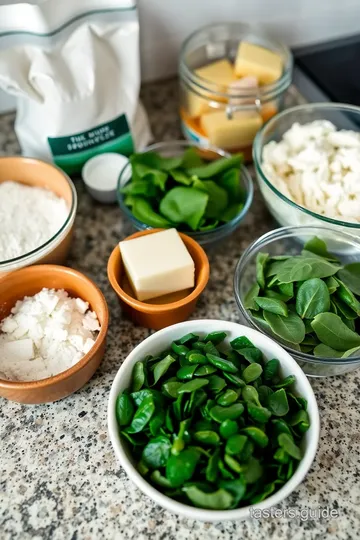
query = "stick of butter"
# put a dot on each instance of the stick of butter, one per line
(235, 133)
(264, 64)
(157, 264)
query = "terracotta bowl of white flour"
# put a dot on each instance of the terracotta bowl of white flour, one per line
(38, 204)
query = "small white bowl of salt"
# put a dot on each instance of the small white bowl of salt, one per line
(101, 174)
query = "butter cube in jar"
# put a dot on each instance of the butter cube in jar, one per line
(157, 264)
(217, 65)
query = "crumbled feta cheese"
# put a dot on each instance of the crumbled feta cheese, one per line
(45, 334)
(317, 167)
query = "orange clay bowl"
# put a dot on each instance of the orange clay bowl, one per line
(165, 310)
(37, 173)
(29, 281)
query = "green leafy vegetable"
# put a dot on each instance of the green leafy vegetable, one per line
(138, 377)
(157, 452)
(184, 191)
(184, 205)
(208, 440)
(222, 363)
(142, 416)
(345, 294)
(331, 331)
(180, 468)
(278, 403)
(287, 443)
(303, 268)
(217, 167)
(250, 298)
(124, 409)
(218, 200)
(318, 246)
(261, 259)
(273, 305)
(217, 500)
(251, 373)
(290, 328)
(312, 298)
(161, 367)
(143, 211)
(350, 275)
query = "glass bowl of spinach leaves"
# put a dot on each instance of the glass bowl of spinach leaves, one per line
(301, 286)
(210, 418)
(204, 193)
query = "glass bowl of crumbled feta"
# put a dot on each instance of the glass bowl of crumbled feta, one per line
(37, 211)
(292, 286)
(307, 162)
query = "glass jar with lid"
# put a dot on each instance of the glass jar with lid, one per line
(217, 107)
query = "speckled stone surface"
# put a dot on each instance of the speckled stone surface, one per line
(59, 478)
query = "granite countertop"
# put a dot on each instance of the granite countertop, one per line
(58, 474)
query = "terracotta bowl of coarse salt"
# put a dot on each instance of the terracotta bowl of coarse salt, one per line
(63, 317)
(38, 204)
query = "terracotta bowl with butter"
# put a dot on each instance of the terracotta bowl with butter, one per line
(37, 173)
(29, 281)
(164, 310)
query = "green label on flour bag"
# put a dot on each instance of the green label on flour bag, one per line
(72, 151)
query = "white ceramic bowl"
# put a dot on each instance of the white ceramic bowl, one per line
(160, 341)
(100, 175)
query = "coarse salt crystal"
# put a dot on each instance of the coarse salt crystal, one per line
(45, 334)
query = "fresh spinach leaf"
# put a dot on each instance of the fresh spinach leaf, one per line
(318, 246)
(143, 211)
(261, 259)
(180, 177)
(124, 409)
(142, 415)
(345, 294)
(217, 201)
(138, 378)
(217, 500)
(272, 305)
(184, 205)
(302, 268)
(230, 181)
(160, 368)
(278, 403)
(157, 452)
(250, 297)
(331, 331)
(290, 328)
(350, 276)
(180, 468)
(216, 167)
(312, 298)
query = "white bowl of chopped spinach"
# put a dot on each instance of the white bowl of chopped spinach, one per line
(301, 286)
(205, 193)
(211, 418)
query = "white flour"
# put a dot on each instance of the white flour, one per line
(29, 217)
(45, 334)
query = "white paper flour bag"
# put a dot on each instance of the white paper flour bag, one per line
(74, 67)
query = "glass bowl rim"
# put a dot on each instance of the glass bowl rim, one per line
(258, 147)
(277, 234)
(64, 226)
(226, 227)
(280, 84)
